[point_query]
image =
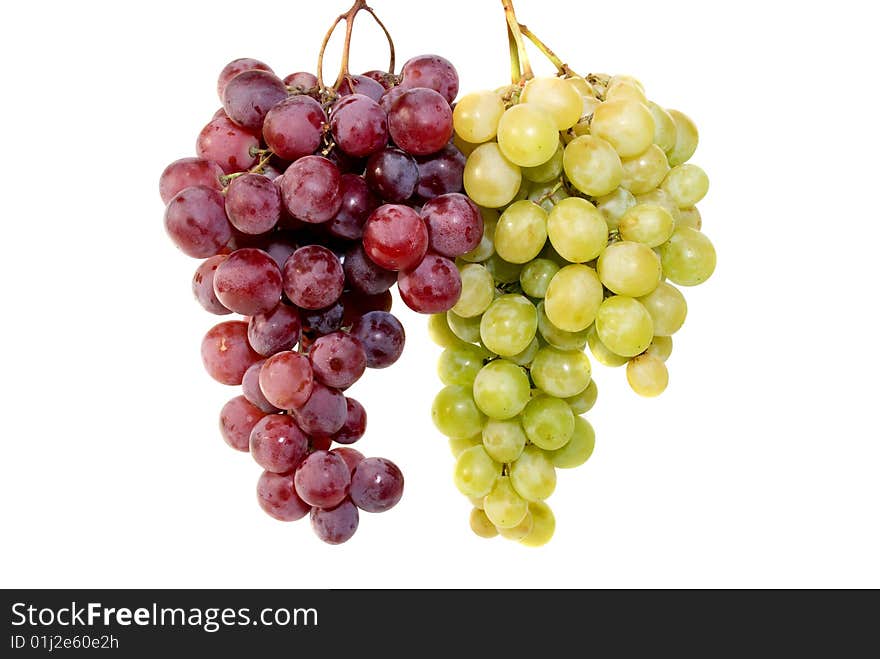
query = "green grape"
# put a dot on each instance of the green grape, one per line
(536, 275)
(476, 502)
(614, 205)
(624, 90)
(583, 87)
(460, 364)
(592, 165)
(490, 179)
(527, 135)
(525, 357)
(647, 375)
(659, 198)
(644, 172)
(502, 271)
(664, 127)
(626, 125)
(624, 326)
(583, 402)
(628, 268)
(547, 195)
(460, 445)
(520, 531)
(548, 422)
(550, 253)
(476, 116)
(578, 450)
(548, 171)
(686, 139)
(559, 338)
(509, 325)
(475, 472)
(466, 329)
(477, 291)
(501, 389)
(532, 475)
(439, 332)
(521, 232)
(456, 414)
(503, 506)
(688, 257)
(577, 230)
(690, 217)
(686, 185)
(667, 307)
(486, 248)
(573, 297)
(648, 224)
(504, 441)
(465, 147)
(481, 525)
(561, 373)
(601, 352)
(661, 347)
(556, 97)
(542, 527)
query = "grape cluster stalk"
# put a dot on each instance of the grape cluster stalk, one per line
(589, 204)
(306, 204)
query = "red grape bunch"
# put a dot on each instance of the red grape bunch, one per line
(306, 204)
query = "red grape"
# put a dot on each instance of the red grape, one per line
(361, 84)
(395, 237)
(302, 81)
(228, 145)
(322, 479)
(253, 204)
(433, 287)
(321, 443)
(275, 331)
(357, 204)
(433, 72)
(237, 418)
(387, 101)
(338, 360)
(277, 444)
(363, 275)
(324, 413)
(335, 525)
(250, 95)
(250, 387)
(248, 282)
(376, 485)
(196, 222)
(441, 172)
(313, 277)
(382, 337)
(387, 80)
(420, 121)
(226, 353)
(294, 127)
(237, 66)
(355, 423)
(360, 126)
(286, 380)
(311, 189)
(351, 456)
(392, 174)
(280, 247)
(318, 322)
(454, 223)
(203, 286)
(187, 172)
(277, 495)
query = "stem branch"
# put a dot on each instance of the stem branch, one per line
(561, 67)
(513, 26)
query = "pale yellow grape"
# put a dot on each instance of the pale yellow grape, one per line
(476, 502)
(525, 357)
(460, 364)
(601, 352)
(440, 333)
(481, 525)
(486, 248)
(623, 79)
(573, 297)
(547, 195)
(582, 87)
(647, 375)
(648, 224)
(644, 172)
(509, 325)
(592, 165)
(559, 338)
(557, 98)
(503, 506)
(664, 127)
(476, 116)
(490, 179)
(660, 198)
(686, 185)
(612, 206)
(462, 444)
(475, 472)
(505, 440)
(548, 423)
(477, 291)
(536, 275)
(503, 271)
(626, 125)
(466, 148)
(690, 217)
(548, 171)
(661, 347)
(623, 88)
(466, 329)
(577, 230)
(543, 525)
(688, 257)
(519, 532)
(527, 135)
(584, 401)
(561, 373)
(521, 232)
(627, 268)
(501, 389)
(532, 475)
(456, 414)
(667, 307)
(579, 448)
(686, 139)
(600, 82)
(624, 326)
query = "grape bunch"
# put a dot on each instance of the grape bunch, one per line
(589, 206)
(306, 204)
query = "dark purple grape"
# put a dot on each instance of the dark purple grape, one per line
(387, 80)
(360, 126)
(286, 380)
(277, 444)
(433, 72)
(363, 275)
(441, 172)
(318, 322)
(275, 331)
(363, 85)
(324, 413)
(250, 95)
(357, 304)
(196, 221)
(237, 418)
(338, 360)
(357, 204)
(335, 525)
(420, 121)
(392, 174)
(376, 485)
(432, 287)
(253, 204)
(313, 277)
(273, 170)
(355, 423)
(310, 189)
(248, 282)
(277, 495)
(228, 145)
(203, 286)
(226, 352)
(302, 82)
(381, 336)
(345, 163)
(351, 456)
(250, 387)
(294, 127)
(280, 247)
(395, 237)
(187, 172)
(454, 223)
(237, 66)
(322, 479)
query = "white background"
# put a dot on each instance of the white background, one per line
(758, 467)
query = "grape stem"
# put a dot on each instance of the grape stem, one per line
(348, 17)
(265, 157)
(519, 62)
(561, 67)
